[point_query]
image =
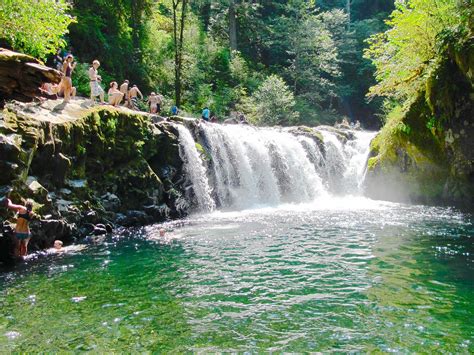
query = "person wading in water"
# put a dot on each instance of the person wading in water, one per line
(22, 229)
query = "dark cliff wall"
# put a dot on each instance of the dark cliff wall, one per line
(425, 153)
(82, 166)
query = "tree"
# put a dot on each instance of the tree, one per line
(35, 27)
(273, 103)
(406, 52)
(232, 26)
(178, 40)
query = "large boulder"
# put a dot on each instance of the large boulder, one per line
(21, 76)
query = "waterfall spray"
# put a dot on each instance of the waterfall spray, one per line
(250, 167)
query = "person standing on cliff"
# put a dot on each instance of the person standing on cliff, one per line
(133, 95)
(66, 82)
(22, 228)
(95, 79)
(124, 90)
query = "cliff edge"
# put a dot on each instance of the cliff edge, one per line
(85, 167)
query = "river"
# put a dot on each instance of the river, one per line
(338, 273)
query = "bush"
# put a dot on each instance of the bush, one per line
(272, 104)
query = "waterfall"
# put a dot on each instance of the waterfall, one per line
(346, 162)
(194, 169)
(252, 167)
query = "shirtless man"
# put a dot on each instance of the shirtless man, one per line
(133, 95)
(155, 100)
(124, 90)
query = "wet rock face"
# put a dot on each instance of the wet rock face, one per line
(434, 161)
(85, 165)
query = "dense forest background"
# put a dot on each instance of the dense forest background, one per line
(235, 54)
(279, 62)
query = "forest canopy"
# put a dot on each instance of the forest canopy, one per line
(405, 54)
(220, 53)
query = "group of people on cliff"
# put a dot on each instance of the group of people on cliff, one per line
(127, 95)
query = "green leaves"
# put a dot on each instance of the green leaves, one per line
(34, 27)
(273, 103)
(404, 54)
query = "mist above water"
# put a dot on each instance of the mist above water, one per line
(243, 167)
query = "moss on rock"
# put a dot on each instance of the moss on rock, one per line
(424, 153)
(78, 154)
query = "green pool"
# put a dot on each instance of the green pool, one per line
(342, 275)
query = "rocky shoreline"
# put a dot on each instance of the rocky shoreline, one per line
(87, 169)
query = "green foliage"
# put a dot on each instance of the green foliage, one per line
(404, 54)
(114, 32)
(273, 103)
(402, 127)
(34, 27)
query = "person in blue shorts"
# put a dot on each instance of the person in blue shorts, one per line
(22, 229)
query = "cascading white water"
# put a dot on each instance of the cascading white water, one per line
(251, 166)
(194, 169)
(259, 166)
(345, 163)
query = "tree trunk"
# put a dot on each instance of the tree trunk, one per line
(178, 40)
(348, 7)
(232, 26)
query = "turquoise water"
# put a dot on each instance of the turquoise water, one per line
(344, 275)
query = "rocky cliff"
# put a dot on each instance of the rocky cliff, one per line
(84, 166)
(425, 152)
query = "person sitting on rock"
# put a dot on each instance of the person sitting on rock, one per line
(95, 79)
(174, 110)
(73, 92)
(205, 114)
(50, 90)
(133, 95)
(115, 96)
(243, 119)
(22, 228)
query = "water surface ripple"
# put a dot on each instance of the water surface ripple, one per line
(343, 275)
